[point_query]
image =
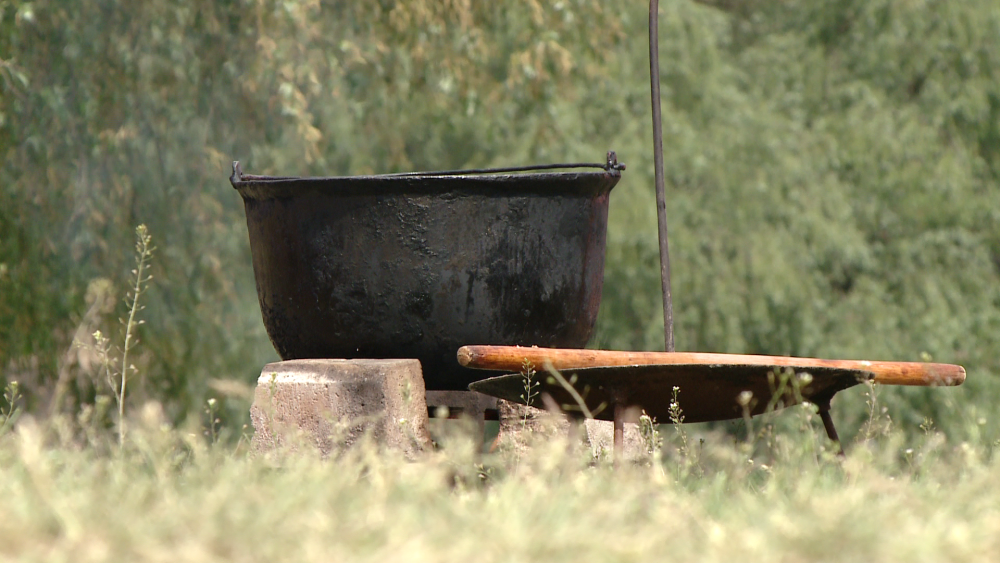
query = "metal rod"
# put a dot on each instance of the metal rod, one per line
(619, 432)
(661, 201)
(831, 430)
(611, 165)
(608, 166)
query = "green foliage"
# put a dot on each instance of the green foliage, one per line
(832, 167)
(832, 191)
(9, 413)
(119, 113)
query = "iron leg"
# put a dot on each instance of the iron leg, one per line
(831, 430)
(619, 432)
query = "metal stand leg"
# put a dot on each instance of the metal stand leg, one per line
(619, 433)
(831, 430)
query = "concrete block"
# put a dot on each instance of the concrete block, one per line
(519, 424)
(463, 403)
(331, 403)
(601, 440)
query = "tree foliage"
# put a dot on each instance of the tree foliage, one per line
(832, 165)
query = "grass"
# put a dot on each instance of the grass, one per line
(69, 494)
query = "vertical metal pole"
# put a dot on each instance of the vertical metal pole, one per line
(661, 202)
(619, 436)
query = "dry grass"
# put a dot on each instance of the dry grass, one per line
(168, 495)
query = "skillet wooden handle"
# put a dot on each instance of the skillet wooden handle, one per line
(511, 358)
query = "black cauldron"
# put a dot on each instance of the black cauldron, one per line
(417, 265)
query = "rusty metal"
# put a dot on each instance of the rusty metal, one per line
(661, 200)
(416, 266)
(706, 392)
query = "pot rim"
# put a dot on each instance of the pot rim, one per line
(590, 183)
(239, 177)
(611, 166)
(255, 178)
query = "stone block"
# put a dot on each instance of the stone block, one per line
(464, 403)
(519, 424)
(601, 440)
(332, 403)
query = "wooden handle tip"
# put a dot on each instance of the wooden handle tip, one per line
(960, 378)
(464, 355)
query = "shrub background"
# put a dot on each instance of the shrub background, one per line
(832, 168)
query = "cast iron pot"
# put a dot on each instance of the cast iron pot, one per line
(415, 266)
